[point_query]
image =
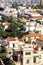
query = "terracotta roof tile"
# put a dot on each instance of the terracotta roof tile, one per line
(31, 9)
(33, 35)
(11, 39)
(20, 39)
(40, 39)
(37, 17)
(6, 23)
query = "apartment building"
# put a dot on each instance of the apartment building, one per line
(30, 56)
(40, 41)
(32, 37)
(11, 11)
(13, 45)
(26, 54)
(29, 2)
(31, 20)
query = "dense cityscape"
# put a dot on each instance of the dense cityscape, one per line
(21, 32)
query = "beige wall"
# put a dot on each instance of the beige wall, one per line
(9, 52)
(38, 55)
(39, 42)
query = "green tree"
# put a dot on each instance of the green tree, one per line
(12, 63)
(15, 28)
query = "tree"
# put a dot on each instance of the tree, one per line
(36, 31)
(14, 30)
(12, 63)
(2, 32)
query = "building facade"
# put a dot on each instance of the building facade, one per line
(30, 56)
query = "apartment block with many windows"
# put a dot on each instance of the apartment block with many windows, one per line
(31, 56)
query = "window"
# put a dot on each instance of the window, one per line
(28, 53)
(27, 61)
(40, 57)
(22, 52)
(42, 48)
(31, 20)
(13, 45)
(34, 59)
(9, 52)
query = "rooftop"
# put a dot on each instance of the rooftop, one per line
(37, 17)
(27, 47)
(33, 35)
(40, 39)
(6, 23)
(23, 20)
(11, 39)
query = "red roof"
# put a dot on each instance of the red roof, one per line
(40, 39)
(6, 23)
(37, 17)
(33, 35)
(20, 39)
(11, 39)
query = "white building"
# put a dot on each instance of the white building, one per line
(30, 56)
(32, 37)
(12, 11)
(6, 25)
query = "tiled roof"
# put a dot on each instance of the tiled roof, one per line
(20, 39)
(32, 9)
(11, 39)
(40, 39)
(33, 35)
(6, 23)
(37, 17)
